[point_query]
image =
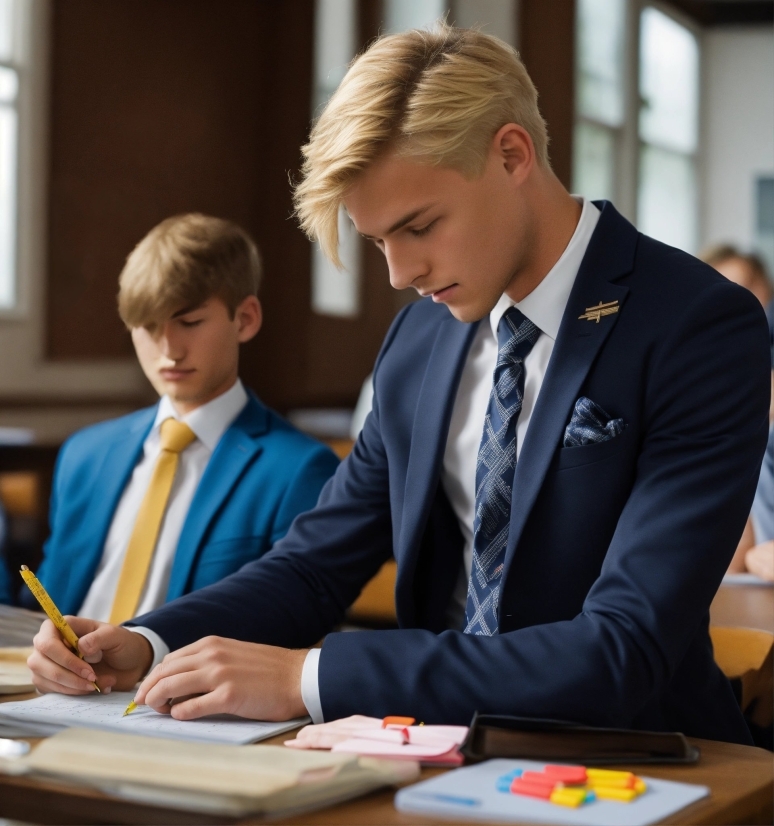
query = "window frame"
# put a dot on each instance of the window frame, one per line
(628, 143)
(30, 61)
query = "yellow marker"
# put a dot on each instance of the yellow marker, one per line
(130, 708)
(640, 785)
(610, 793)
(568, 796)
(52, 612)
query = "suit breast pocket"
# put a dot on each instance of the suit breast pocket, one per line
(570, 457)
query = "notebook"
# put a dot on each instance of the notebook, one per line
(471, 793)
(215, 779)
(15, 677)
(51, 713)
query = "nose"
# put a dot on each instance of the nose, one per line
(171, 343)
(405, 266)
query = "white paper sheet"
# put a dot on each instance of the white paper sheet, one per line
(105, 712)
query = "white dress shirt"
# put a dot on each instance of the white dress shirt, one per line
(209, 422)
(544, 307)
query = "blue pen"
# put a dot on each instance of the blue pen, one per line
(450, 798)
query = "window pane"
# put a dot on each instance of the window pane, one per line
(337, 292)
(601, 32)
(669, 82)
(593, 163)
(666, 201)
(6, 29)
(400, 15)
(9, 85)
(334, 45)
(7, 206)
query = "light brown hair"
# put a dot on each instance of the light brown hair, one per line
(184, 261)
(438, 96)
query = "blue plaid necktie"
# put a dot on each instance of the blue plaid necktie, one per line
(516, 335)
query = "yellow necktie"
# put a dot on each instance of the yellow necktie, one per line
(175, 437)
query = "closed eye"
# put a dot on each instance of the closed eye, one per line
(194, 322)
(418, 233)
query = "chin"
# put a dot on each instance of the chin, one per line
(468, 315)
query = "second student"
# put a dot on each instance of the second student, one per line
(164, 501)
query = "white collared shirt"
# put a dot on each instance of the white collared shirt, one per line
(209, 422)
(544, 307)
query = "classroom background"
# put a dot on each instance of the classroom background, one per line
(115, 115)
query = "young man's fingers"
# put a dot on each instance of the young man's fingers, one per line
(51, 646)
(47, 687)
(201, 705)
(46, 670)
(174, 686)
(169, 667)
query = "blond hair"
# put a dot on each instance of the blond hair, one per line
(182, 262)
(439, 96)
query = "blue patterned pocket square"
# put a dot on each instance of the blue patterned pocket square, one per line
(590, 424)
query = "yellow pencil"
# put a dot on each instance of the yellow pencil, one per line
(52, 612)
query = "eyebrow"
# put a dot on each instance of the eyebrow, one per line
(401, 222)
(187, 310)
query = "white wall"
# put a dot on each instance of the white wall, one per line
(738, 130)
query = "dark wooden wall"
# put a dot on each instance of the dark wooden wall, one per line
(547, 47)
(166, 106)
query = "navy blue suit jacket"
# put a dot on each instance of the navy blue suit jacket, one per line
(615, 550)
(262, 474)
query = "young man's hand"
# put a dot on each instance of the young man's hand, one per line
(114, 657)
(760, 560)
(221, 676)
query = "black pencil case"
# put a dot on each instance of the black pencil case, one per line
(495, 735)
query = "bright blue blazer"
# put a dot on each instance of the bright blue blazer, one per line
(615, 549)
(262, 474)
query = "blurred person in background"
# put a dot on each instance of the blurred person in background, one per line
(755, 553)
(746, 270)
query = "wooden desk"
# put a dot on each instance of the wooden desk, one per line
(746, 606)
(741, 779)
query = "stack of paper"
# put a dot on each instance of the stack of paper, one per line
(15, 677)
(221, 779)
(52, 713)
(18, 626)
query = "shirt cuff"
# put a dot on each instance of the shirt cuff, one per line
(160, 648)
(310, 687)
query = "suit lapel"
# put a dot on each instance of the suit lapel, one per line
(610, 254)
(236, 450)
(428, 440)
(118, 463)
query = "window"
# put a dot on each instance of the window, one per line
(335, 292)
(9, 131)
(636, 128)
(600, 105)
(668, 130)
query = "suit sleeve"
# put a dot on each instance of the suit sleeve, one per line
(705, 405)
(299, 591)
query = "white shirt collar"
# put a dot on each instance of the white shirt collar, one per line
(210, 421)
(545, 305)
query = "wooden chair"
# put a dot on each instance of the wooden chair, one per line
(376, 604)
(746, 655)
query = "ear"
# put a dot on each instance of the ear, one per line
(515, 149)
(249, 318)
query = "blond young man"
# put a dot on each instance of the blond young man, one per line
(561, 453)
(170, 499)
